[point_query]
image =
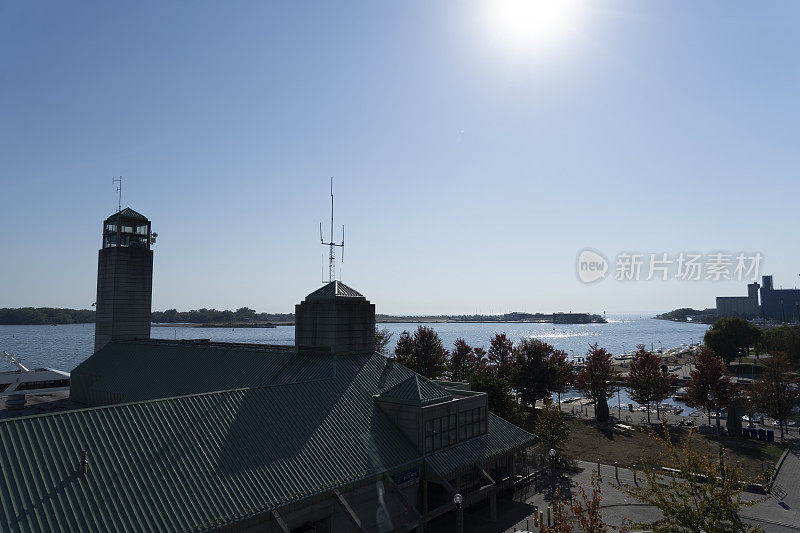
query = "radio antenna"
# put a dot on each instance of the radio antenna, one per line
(332, 245)
(119, 192)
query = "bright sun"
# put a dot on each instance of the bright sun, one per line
(532, 25)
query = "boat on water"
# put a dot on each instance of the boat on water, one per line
(24, 380)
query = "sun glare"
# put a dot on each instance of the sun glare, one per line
(532, 26)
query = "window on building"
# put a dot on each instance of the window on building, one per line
(127, 229)
(428, 436)
(141, 230)
(111, 227)
(437, 433)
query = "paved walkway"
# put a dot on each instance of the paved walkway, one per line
(779, 512)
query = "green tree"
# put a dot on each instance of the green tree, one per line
(783, 339)
(598, 380)
(705, 496)
(774, 394)
(501, 355)
(710, 377)
(646, 382)
(550, 426)
(731, 337)
(562, 372)
(382, 338)
(423, 353)
(498, 392)
(533, 375)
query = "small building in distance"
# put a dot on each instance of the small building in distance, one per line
(324, 436)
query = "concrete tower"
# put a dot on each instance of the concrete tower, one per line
(337, 317)
(124, 279)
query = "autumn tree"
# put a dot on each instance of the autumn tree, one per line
(423, 353)
(463, 361)
(533, 375)
(598, 380)
(704, 495)
(731, 337)
(709, 386)
(774, 394)
(646, 382)
(501, 355)
(583, 514)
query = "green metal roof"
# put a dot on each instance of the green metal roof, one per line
(502, 437)
(201, 461)
(128, 371)
(417, 391)
(334, 289)
(127, 213)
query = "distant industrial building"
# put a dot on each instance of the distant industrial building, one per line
(777, 305)
(325, 436)
(741, 306)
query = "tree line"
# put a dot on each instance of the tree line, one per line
(26, 316)
(536, 370)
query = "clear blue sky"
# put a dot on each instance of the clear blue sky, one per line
(474, 157)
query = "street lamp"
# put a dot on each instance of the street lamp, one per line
(553, 470)
(623, 349)
(458, 499)
(710, 397)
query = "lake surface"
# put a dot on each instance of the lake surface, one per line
(64, 347)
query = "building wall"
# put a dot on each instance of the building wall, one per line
(347, 325)
(124, 294)
(781, 305)
(743, 306)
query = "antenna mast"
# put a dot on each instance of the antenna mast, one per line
(119, 192)
(331, 244)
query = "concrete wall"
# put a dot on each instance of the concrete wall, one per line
(124, 295)
(346, 325)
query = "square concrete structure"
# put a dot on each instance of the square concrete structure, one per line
(337, 317)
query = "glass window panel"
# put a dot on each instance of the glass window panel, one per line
(452, 421)
(141, 230)
(428, 444)
(127, 229)
(429, 428)
(453, 435)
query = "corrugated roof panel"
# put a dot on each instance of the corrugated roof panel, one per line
(334, 289)
(197, 461)
(417, 391)
(122, 371)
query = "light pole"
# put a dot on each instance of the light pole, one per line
(716, 408)
(458, 499)
(623, 349)
(553, 471)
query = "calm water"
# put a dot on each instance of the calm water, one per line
(64, 347)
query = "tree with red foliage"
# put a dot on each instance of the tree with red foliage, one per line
(646, 382)
(710, 375)
(598, 380)
(463, 361)
(501, 355)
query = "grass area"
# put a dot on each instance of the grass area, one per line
(590, 441)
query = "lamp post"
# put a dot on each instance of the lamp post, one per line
(553, 471)
(458, 500)
(710, 397)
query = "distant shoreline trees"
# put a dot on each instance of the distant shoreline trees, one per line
(31, 316)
